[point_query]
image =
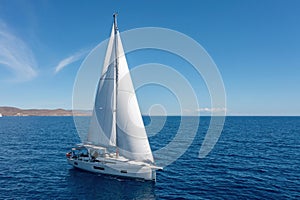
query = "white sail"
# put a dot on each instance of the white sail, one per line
(116, 119)
(102, 130)
(132, 139)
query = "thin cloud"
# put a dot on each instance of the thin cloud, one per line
(212, 110)
(16, 55)
(204, 111)
(71, 59)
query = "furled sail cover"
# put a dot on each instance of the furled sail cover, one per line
(132, 139)
(102, 130)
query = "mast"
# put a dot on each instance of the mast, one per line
(116, 73)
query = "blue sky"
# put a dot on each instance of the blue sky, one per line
(255, 44)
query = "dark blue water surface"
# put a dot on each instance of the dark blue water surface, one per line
(255, 158)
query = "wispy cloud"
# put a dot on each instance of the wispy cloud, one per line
(71, 59)
(16, 55)
(212, 110)
(204, 111)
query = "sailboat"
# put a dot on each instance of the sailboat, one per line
(117, 143)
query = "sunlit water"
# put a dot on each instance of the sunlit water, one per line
(255, 157)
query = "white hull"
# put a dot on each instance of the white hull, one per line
(116, 168)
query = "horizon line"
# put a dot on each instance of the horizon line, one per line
(170, 115)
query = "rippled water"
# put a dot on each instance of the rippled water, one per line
(256, 157)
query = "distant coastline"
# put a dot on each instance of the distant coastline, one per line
(13, 111)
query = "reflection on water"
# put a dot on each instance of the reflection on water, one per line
(85, 185)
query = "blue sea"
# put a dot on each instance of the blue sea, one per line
(255, 158)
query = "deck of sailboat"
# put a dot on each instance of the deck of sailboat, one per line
(115, 160)
(109, 157)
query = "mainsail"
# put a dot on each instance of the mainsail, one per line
(116, 119)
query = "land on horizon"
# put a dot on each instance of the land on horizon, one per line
(13, 111)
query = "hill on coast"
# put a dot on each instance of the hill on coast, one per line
(13, 111)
